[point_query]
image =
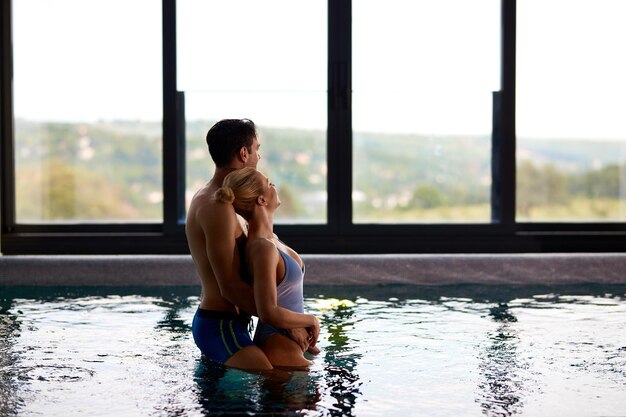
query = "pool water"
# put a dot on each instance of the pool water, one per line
(386, 351)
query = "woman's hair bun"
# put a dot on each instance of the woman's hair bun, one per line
(224, 195)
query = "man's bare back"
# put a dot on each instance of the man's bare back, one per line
(213, 232)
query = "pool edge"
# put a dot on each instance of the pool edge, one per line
(412, 269)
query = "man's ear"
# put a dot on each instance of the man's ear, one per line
(243, 153)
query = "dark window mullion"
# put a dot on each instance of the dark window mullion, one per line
(506, 157)
(339, 115)
(503, 135)
(173, 144)
(7, 159)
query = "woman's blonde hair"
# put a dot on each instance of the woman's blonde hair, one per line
(241, 188)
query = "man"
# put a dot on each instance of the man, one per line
(214, 233)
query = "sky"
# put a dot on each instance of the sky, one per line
(419, 66)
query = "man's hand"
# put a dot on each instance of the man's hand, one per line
(301, 337)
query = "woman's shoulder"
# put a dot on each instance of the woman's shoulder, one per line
(261, 254)
(260, 247)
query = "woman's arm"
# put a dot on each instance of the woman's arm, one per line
(263, 258)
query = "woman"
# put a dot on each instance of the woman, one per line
(277, 270)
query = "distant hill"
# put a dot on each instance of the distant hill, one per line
(390, 171)
(572, 155)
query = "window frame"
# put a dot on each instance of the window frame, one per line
(339, 235)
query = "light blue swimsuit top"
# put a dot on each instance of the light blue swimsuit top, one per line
(289, 291)
(288, 295)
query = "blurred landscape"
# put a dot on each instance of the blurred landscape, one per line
(112, 171)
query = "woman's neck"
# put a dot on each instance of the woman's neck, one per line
(261, 225)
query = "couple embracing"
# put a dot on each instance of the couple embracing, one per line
(244, 268)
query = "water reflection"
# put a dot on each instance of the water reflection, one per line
(10, 401)
(227, 391)
(172, 321)
(174, 327)
(503, 385)
(340, 362)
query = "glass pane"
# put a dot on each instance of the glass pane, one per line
(423, 76)
(571, 135)
(270, 69)
(87, 110)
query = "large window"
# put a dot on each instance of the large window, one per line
(571, 153)
(266, 61)
(388, 126)
(423, 78)
(87, 105)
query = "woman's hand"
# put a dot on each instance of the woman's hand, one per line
(313, 350)
(314, 334)
(307, 338)
(301, 336)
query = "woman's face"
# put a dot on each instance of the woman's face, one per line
(269, 191)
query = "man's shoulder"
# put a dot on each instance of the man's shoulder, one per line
(204, 200)
(213, 217)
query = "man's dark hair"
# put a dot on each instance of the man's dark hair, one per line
(226, 138)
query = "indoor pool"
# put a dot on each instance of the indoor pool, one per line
(386, 351)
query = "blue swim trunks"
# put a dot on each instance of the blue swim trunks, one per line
(219, 335)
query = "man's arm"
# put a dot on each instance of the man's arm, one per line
(220, 226)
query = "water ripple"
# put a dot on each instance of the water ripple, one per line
(385, 351)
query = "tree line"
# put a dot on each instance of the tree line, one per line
(112, 170)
